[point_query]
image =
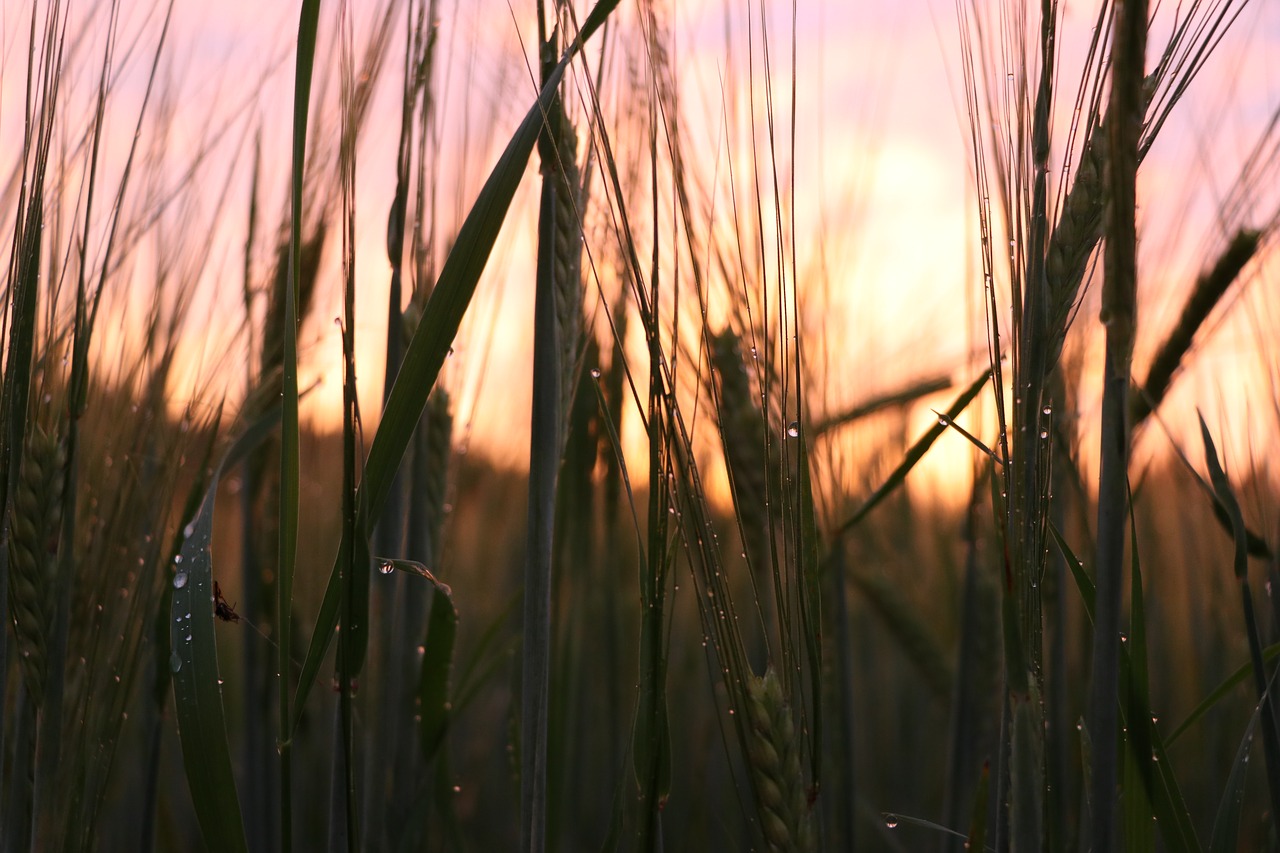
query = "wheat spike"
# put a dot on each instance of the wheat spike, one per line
(562, 170)
(774, 756)
(1076, 233)
(1078, 230)
(1209, 289)
(743, 430)
(35, 519)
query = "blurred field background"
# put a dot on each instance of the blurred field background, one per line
(736, 488)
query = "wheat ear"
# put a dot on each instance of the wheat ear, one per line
(35, 520)
(774, 756)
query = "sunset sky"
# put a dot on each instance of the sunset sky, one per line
(882, 183)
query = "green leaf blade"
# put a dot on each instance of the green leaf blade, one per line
(197, 690)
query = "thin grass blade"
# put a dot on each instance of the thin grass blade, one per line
(308, 24)
(811, 604)
(1222, 691)
(977, 838)
(1226, 826)
(1139, 836)
(916, 453)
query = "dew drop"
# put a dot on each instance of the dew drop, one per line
(189, 529)
(891, 821)
(386, 567)
(177, 558)
(793, 429)
(179, 580)
(595, 373)
(175, 662)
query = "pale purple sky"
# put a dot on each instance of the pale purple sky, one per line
(881, 169)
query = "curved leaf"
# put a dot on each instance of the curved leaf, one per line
(193, 661)
(1222, 691)
(437, 665)
(429, 348)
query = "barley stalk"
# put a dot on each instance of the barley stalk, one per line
(774, 756)
(36, 516)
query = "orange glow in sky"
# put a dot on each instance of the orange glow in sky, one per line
(880, 177)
